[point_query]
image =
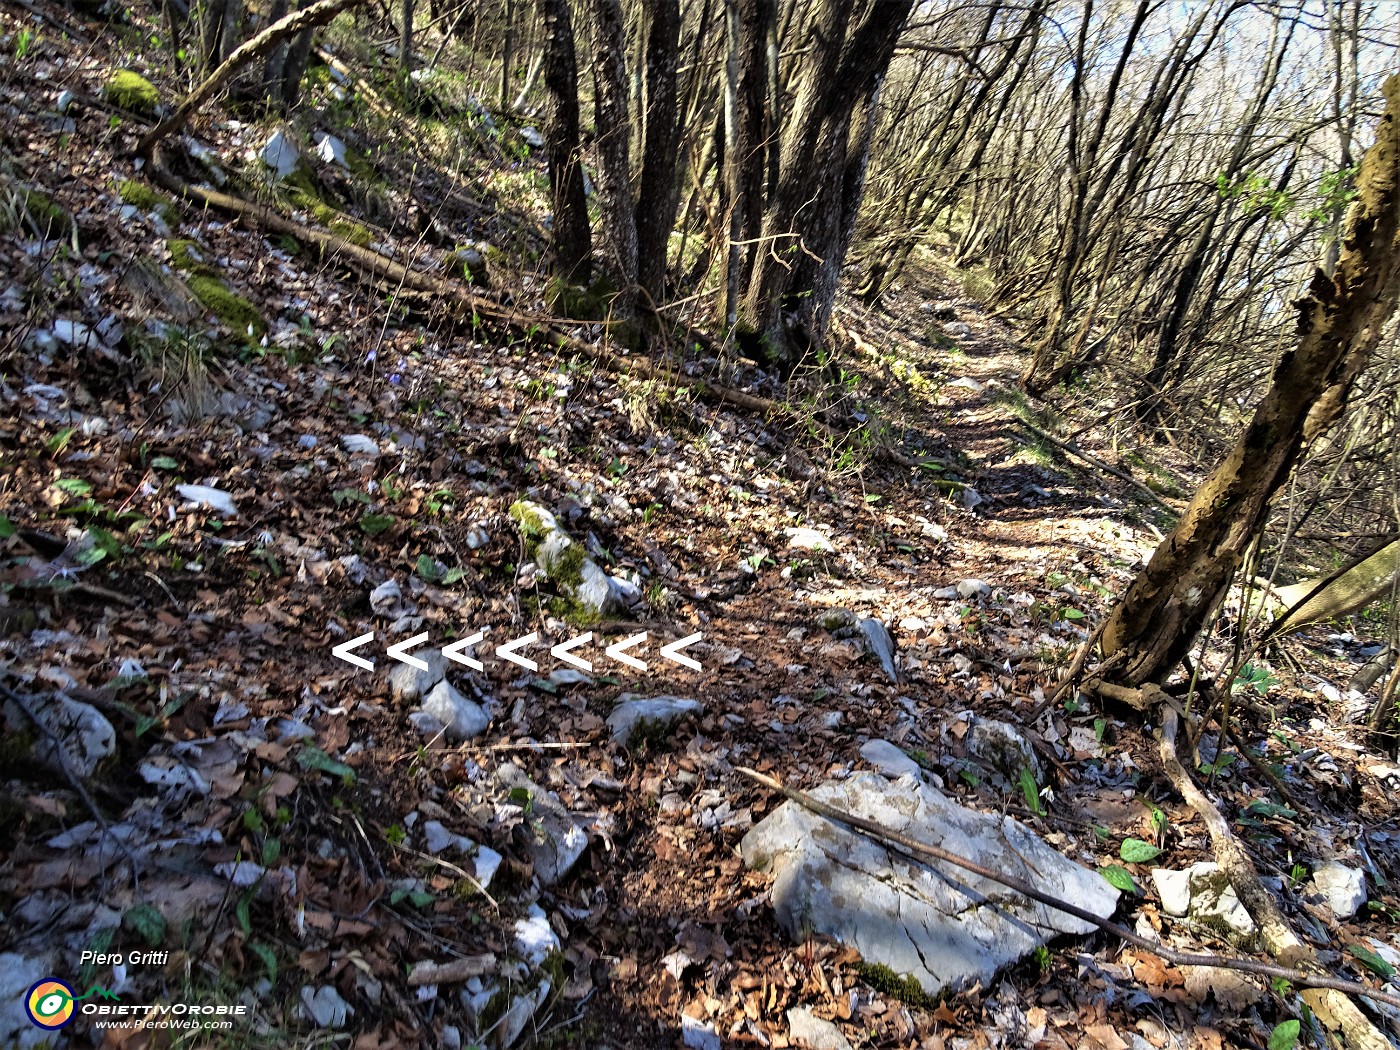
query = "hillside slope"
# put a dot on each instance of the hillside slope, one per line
(226, 454)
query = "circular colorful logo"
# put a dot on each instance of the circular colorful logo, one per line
(50, 1004)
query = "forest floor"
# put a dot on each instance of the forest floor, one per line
(264, 816)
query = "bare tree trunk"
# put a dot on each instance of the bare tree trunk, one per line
(294, 70)
(1340, 322)
(406, 39)
(808, 210)
(660, 193)
(571, 239)
(613, 142)
(731, 196)
(507, 52)
(274, 69)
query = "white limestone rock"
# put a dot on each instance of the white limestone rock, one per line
(463, 718)
(568, 567)
(407, 684)
(82, 738)
(941, 924)
(807, 1030)
(280, 154)
(890, 760)
(1343, 887)
(666, 710)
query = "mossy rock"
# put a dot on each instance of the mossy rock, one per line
(593, 303)
(533, 519)
(131, 91)
(361, 167)
(145, 199)
(232, 310)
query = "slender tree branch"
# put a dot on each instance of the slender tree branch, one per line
(318, 14)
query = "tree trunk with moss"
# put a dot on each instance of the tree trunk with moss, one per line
(1340, 321)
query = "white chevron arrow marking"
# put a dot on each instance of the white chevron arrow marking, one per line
(342, 651)
(615, 651)
(672, 652)
(507, 652)
(399, 653)
(454, 652)
(561, 651)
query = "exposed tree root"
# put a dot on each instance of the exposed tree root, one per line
(1332, 1008)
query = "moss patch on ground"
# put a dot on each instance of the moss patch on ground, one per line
(902, 986)
(48, 218)
(184, 255)
(132, 91)
(142, 197)
(232, 310)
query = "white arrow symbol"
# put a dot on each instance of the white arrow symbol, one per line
(615, 651)
(561, 651)
(342, 651)
(507, 652)
(398, 651)
(454, 651)
(672, 652)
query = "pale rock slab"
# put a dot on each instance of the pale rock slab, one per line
(944, 926)
(1344, 888)
(556, 840)
(463, 718)
(1203, 894)
(806, 539)
(666, 710)
(325, 1006)
(280, 154)
(534, 936)
(408, 685)
(83, 736)
(880, 645)
(809, 1031)
(890, 760)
